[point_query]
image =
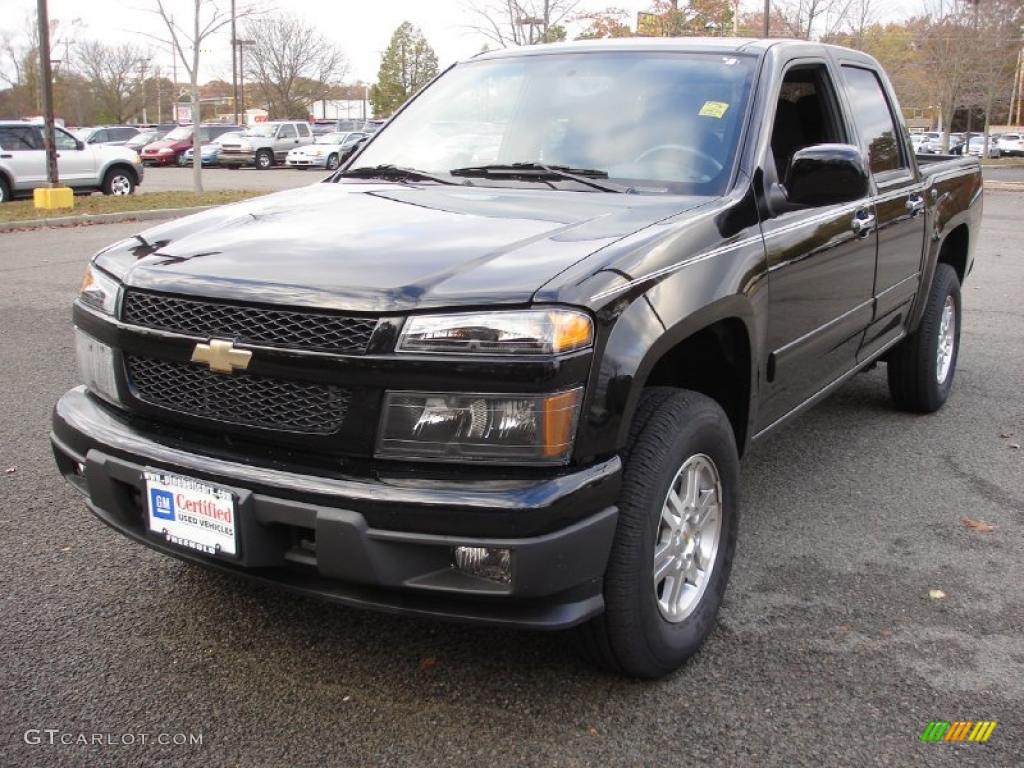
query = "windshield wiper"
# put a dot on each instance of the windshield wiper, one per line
(540, 171)
(389, 171)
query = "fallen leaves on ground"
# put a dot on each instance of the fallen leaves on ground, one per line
(428, 663)
(10, 470)
(977, 525)
(936, 594)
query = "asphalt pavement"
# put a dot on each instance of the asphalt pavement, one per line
(173, 178)
(829, 651)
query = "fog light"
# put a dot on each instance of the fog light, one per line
(485, 562)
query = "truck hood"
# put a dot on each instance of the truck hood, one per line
(382, 246)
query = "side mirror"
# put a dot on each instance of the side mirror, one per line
(79, 145)
(826, 174)
(353, 149)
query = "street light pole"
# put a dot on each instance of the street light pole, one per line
(46, 76)
(234, 60)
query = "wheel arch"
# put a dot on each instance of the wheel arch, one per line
(721, 335)
(115, 165)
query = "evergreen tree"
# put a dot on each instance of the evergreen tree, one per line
(407, 65)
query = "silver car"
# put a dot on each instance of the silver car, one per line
(110, 135)
(81, 166)
(326, 151)
(976, 147)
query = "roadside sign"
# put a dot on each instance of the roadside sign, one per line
(183, 112)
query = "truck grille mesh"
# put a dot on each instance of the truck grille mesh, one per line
(297, 329)
(238, 398)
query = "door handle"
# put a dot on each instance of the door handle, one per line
(915, 204)
(6, 157)
(863, 223)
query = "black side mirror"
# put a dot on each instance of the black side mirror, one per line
(826, 174)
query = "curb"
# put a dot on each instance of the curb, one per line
(1004, 186)
(103, 218)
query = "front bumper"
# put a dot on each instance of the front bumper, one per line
(360, 541)
(159, 159)
(236, 158)
(306, 162)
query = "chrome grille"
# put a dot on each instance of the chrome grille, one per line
(297, 329)
(238, 398)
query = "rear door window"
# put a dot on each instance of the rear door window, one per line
(286, 132)
(16, 138)
(881, 135)
(303, 129)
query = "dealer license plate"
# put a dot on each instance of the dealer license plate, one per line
(190, 513)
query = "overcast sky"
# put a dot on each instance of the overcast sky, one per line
(360, 27)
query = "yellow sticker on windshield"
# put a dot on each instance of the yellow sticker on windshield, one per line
(713, 109)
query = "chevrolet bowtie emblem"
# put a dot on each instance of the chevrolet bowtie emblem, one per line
(221, 356)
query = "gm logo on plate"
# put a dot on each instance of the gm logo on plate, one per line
(162, 503)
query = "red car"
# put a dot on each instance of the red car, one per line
(169, 149)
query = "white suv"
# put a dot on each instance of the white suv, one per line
(83, 167)
(265, 144)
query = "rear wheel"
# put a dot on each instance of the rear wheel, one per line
(921, 369)
(332, 162)
(119, 182)
(264, 159)
(5, 190)
(675, 539)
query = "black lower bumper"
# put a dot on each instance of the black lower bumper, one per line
(314, 534)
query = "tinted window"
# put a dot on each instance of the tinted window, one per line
(803, 114)
(286, 132)
(20, 139)
(303, 130)
(99, 136)
(879, 133)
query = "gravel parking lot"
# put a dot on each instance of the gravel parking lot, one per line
(172, 178)
(829, 650)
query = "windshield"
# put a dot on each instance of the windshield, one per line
(179, 134)
(265, 130)
(331, 138)
(230, 136)
(657, 122)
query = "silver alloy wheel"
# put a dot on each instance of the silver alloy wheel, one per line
(120, 185)
(947, 339)
(263, 160)
(689, 531)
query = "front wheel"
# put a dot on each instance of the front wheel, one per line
(118, 182)
(333, 162)
(921, 368)
(675, 539)
(5, 190)
(264, 159)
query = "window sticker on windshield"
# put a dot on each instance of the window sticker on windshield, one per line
(714, 109)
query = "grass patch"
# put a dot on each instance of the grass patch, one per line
(24, 210)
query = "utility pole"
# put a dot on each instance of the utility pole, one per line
(234, 60)
(767, 17)
(241, 75)
(46, 77)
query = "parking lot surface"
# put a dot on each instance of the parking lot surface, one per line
(172, 178)
(829, 649)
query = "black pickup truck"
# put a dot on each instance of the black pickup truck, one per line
(502, 365)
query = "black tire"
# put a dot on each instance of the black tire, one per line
(632, 637)
(333, 161)
(118, 181)
(264, 159)
(913, 364)
(5, 190)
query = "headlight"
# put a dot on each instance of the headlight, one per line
(515, 429)
(527, 332)
(99, 290)
(96, 367)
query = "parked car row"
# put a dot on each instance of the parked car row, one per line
(999, 144)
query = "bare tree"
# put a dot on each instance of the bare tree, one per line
(115, 74)
(946, 48)
(510, 23)
(806, 18)
(187, 40)
(292, 63)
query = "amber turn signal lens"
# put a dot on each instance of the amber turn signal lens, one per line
(559, 422)
(572, 331)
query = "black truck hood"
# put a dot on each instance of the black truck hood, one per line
(383, 247)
